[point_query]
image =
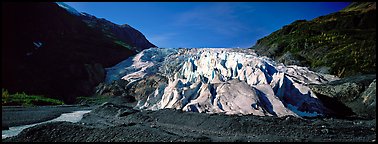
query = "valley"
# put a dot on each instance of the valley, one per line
(310, 81)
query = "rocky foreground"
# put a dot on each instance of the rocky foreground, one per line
(120, 123)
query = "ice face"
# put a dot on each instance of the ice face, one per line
(143, 64)
(221, 80)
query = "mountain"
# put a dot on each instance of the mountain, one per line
(47, 50)
(121, 34)
(341, 43)
(68, 8)
(216, 80)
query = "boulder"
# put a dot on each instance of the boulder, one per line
(356, 92)
(367, 98)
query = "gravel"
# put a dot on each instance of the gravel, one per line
(119, 123)
(18, 115)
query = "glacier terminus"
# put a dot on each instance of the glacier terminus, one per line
(223, 80)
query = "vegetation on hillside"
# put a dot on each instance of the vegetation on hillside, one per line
(344, 41)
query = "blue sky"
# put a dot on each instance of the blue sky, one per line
(206, 24)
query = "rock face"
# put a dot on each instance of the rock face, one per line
(116, 88)
(230, 81)
(144, 88)
(47, 50)
(369, 99)
(341, 43)
(357, 93)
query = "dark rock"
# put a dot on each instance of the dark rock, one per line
(125, 112)
(109, 109)
(4, 126)
(143, 88)
(96, 73)
(115, 88)
(131, 92)
(117, 92)
(356, 92)
(366, 102)
(129, 124)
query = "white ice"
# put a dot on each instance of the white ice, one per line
(221, 80)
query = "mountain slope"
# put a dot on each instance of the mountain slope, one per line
(121, 34)
(49, 51)
(341, 43)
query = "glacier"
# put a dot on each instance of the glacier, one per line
(223, 80)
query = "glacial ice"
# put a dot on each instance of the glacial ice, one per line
(224, 80)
